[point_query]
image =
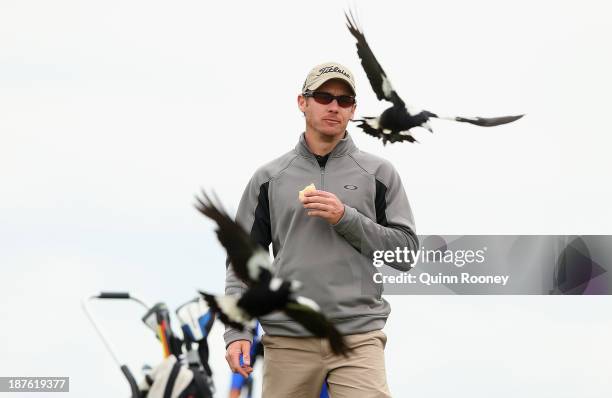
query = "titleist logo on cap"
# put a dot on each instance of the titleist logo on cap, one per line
(329, 69)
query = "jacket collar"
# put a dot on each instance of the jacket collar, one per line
(344, 147)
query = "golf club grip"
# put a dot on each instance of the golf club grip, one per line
(114, 295)
(130, 378)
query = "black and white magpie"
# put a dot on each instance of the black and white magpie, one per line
(265, 293)
(396, 122)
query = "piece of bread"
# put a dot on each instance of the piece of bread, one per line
(310, 187)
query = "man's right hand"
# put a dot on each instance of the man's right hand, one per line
(232, 356)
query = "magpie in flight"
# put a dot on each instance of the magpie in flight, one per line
(265, 293)
(396, 122)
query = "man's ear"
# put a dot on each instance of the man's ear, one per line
(301, 102)
(353, 111)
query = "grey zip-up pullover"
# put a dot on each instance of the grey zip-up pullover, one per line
(333, 262)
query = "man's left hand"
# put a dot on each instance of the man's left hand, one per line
(323, 204)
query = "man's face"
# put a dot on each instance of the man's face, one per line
(331, 119)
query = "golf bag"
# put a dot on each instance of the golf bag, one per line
(171, 379)
(184, 371)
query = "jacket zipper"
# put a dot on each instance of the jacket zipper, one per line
(322, 178)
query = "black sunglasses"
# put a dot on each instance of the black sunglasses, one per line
(323, 98)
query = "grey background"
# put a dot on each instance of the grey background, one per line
(533, 264)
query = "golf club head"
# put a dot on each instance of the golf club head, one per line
(158, 319)
(196, 319)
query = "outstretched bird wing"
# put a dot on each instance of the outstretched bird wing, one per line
(228, 311)
(238, 244)
(317, 324)
(488, 121)
(376, 75)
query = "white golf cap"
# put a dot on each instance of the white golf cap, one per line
(327, 71)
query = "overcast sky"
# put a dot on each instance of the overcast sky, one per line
(114, 114)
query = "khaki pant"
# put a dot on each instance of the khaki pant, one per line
(296, 367)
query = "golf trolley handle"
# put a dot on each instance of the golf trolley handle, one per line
(120, 296)
(114, 295)
(117, 296)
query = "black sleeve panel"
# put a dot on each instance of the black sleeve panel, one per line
(381, 204)
(261, 231)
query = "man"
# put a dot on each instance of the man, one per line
(326, 241)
